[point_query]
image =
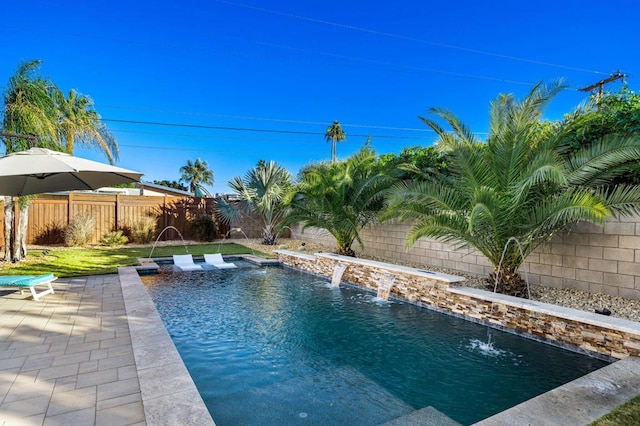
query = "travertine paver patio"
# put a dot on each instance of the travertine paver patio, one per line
(68, 359)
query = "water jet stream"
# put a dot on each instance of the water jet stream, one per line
(226, 236)
(504, 251)
(160, 235)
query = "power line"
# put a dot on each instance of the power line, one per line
(196, 136)
(408, 38)
(226, 150)
(343, 26)
(403, 68)
(396, 67)
(242, 138)
(244, 129)
(269, 119)
(255, 118)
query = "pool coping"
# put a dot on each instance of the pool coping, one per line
(578, 402)
(169, 395)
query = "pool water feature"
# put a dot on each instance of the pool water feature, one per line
(384, 286)
(338, 271)
(278, 346)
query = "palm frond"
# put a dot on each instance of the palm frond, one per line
(621, 199)
(608, 155)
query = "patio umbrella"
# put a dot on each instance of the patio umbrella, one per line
(39, 170)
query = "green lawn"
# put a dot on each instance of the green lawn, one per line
(626, 414)
(97, 261)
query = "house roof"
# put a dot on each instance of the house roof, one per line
(163, 189)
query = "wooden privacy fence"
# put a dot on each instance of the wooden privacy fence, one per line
(50, 214)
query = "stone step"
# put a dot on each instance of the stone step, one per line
(427, 416)
(312, 399)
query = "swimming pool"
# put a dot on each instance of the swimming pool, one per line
(277, 346)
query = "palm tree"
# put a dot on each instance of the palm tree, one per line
(516, 185)
(28, 108)
(79, 123)
(341, 197)
(334, 134)
(263, 192)
(196, 173)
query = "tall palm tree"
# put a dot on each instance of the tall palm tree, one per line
(28, 108)
(516, 185)
(79, 124)
(263, 192)
(341, 197)
(196, 173)
(334, 134)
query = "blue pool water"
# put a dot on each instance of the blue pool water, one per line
(278, 346)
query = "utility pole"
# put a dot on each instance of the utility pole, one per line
(600, 84)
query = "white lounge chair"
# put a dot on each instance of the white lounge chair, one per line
(184, 262)
(30, 281)
(217, 261)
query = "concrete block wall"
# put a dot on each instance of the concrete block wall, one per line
(252, 227)
(592, 258)
(588, 257)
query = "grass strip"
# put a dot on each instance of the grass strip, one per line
(67, 262)
(623, 415)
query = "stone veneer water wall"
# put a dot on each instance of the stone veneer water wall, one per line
(590, 333)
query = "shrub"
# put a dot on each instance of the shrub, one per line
(79, 232)
(204, 228)
(143, 230)
(52, 233)
(114, 238)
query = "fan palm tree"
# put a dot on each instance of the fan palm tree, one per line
(262, 192)
(334, 134)
(196, 173)
(516, 185)
(341, 197)
(79, 124)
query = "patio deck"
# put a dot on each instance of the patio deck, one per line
(69, 359)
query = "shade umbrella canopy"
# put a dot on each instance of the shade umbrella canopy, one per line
(40, 170)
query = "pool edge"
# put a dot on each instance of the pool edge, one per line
(578, 402)
(169, 395)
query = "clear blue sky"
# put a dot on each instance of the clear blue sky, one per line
(284, 70)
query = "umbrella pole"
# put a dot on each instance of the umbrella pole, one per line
(14, 232)
(9, 236)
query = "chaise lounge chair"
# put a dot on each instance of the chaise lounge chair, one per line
(184, 262)
(31, 281)
(217, 261)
